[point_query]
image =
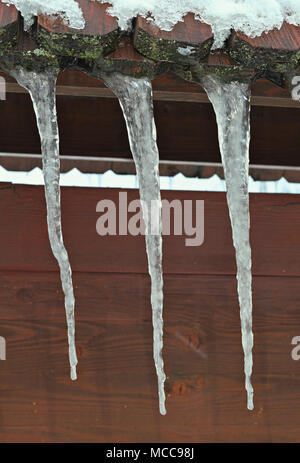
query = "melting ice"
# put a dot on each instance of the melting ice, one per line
(135, 97)
(231, 103)
(41, 88)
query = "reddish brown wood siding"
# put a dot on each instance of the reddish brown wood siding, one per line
(286, 38)
(8, 15)
(115, 399)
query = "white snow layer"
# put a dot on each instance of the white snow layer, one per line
(250, 16)
(69, 10)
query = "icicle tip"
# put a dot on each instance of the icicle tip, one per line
(73, 374)
(250, 405)
(162, 409)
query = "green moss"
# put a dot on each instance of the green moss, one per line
(89, 53)
(32, 62)
(229, 74)
(41, 52)
(133, 68)
(277, 61)
(76, 45)
(8, 38)
(167, 50)
(225, 74)
(183, 71)
(38, 63)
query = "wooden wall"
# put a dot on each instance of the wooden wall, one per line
(115, 397)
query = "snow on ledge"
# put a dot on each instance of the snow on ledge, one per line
(253, 17)
(109, 179)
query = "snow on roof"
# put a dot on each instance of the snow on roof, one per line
(250, 16)
(253, 17)
(69, 10)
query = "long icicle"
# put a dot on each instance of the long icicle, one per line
(42, 88)
(231, 103)
(135, 97)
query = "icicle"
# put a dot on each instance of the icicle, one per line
(135, 97)
(41, 88)
(231, 103)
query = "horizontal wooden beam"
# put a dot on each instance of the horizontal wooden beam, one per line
(159, 95)
(186, 131)
(26, 162)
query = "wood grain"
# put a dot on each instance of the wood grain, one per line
(286, 38)
(8, 15)
(114, 399)
(125, 51)
(274, 235)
